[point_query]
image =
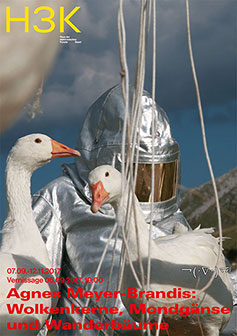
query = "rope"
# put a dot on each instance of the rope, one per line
(110, 277)
(125, 92)
(136, 113)
(99, 267)
(153, 158)
(140, 79)
(202, 290)
(204, 143)
(153, 138)
(132, 122)
(159, 322)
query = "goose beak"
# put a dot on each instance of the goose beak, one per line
(99, 196)
(60, 150)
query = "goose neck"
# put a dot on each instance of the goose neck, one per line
(20, 232)
(18, 192)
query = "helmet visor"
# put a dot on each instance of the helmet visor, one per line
(165, 181)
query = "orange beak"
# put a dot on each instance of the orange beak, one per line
(99, 196)
(60, 150)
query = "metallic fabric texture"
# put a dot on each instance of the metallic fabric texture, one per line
(75, 237)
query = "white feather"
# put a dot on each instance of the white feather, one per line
(171, 254)
(22, 247)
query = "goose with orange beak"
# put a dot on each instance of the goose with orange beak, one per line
(99, 196)
(22, 246)
(169, 256)
(61, 150)
(102, 189)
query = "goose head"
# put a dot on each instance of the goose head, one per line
(105, 182)
(35, 150)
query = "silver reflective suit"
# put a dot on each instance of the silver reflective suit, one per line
(75, 237)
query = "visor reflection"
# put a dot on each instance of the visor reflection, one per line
(165, 181)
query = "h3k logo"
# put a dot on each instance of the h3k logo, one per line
(49, 19)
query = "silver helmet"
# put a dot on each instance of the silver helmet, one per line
(101, 138)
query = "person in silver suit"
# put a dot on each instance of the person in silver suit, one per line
(74, 236)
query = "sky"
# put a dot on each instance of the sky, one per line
(83, 71)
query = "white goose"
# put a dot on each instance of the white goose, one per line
(22, 246)
(170, 256)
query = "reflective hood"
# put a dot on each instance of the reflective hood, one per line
(100, 138)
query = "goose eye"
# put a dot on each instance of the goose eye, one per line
(106, 174)
(38, 140)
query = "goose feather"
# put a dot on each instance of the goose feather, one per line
(23, 254)
(171, 257)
